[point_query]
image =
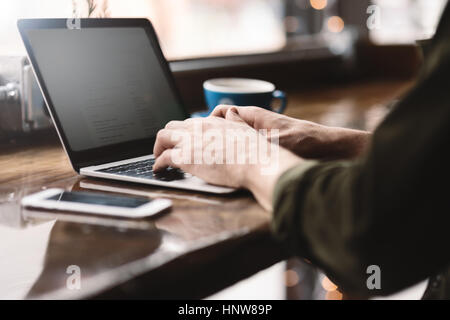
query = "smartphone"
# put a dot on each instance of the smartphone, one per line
(96, 203)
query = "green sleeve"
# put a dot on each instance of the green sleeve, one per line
(390, 208)
(315, 217)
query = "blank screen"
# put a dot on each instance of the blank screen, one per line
(106, 84)
(100, 199)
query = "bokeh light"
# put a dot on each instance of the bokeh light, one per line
(328, 285)
(333, 295)
(291, 278)
(318, 4)
(335, 24)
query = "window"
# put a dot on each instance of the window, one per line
(405, 21)
(211, 28)
(188, 28)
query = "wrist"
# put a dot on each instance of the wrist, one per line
(262, 179)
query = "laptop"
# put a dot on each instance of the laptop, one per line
(109, 90)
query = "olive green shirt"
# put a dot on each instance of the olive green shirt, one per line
(390, 208)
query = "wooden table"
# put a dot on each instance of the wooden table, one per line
(204, 244)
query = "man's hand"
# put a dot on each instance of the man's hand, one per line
(203, 148)
(304, 138)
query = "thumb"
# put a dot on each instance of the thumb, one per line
(233, 115)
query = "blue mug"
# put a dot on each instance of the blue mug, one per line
(242, 92)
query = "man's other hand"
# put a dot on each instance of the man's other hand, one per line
(304, 138)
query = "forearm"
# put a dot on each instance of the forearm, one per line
(346, 143)
(315, 217)
(333, 215)
(316, 141)
(385, 209)
(333, 143)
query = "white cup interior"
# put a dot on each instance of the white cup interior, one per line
(238, 85)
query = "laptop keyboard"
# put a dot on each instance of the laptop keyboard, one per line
(144, 169)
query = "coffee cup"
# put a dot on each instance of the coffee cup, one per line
(243, 92)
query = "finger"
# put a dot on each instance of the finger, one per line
(232, 115)
(249, 114)
(164, 160)
(220, 111)
(163, 141)
(253, 115)
(174, 124)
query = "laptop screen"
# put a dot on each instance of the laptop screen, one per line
(106, 84)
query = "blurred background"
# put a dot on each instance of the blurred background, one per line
(205, 28)
(298, 44)
(290, 42)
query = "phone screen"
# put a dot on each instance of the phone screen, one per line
(100, 199)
